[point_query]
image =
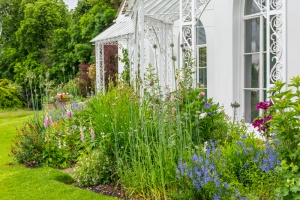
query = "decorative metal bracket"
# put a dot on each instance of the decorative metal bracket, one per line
(275, 13)
(276, 41)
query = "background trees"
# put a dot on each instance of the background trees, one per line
(43, 36)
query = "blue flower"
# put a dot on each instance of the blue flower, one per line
(226, 185)
(207, 105)
(195, 158)
(217, 197)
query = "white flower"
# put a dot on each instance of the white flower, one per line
(202, 115)
(205, 146)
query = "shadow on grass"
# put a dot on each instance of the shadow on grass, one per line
(64, 178)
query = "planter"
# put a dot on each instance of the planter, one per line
(62, 102)
(48, 106)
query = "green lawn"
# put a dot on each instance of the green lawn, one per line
(18, 182)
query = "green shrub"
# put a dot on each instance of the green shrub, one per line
(285, 126)
(285, 119)
(244, 169)
(10, 95)
(289, 187)
(93, 169)
(205, 118)
(29, 144)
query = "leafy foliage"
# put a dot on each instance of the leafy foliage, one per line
(285, 121)
(93, 169)
(29, 144)
(43, 36)
(10, 95)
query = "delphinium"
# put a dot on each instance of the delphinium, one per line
(204, 175)
(244, 169)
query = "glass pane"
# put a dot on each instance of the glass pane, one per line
(265, 33)
(252, 40)
(251, 7)
(251, 100)
(200, 32)
(265, 95)
(203, 77)
(202, 57)
(252, 71)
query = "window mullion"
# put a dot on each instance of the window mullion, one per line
(261, 61)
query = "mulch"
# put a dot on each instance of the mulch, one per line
(108, 190)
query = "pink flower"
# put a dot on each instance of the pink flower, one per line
(92, 134)
(46, 122)
(82, 136)
(68, 114)
(202, 93)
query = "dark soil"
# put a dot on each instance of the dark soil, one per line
(108, 190)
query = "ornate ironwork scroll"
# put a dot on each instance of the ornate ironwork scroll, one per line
(276, 52)
(100, 81)
(274, 12)
(159, 34)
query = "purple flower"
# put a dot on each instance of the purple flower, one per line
(68, 114)
(207, 105)
(195, 158)
(226, 185)
(217, 197)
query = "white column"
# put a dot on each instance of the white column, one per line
(142, 41)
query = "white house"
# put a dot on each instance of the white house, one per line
(241, 47)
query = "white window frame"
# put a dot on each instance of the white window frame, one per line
(261, 89)
(198, 68)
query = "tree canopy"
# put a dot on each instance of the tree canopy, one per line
(43, 36)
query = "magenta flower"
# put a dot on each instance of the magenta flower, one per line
(258, 123)
(264, 105)
(268, 118)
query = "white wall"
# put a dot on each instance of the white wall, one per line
(293, 38)
(221, 72)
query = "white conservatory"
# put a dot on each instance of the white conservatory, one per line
(240, 47)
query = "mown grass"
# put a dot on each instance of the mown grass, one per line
(19, 182)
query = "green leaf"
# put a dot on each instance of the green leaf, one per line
(294, 188)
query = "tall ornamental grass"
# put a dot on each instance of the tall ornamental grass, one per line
(144, 137)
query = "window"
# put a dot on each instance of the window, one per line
(254, 57)
(201, 55)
